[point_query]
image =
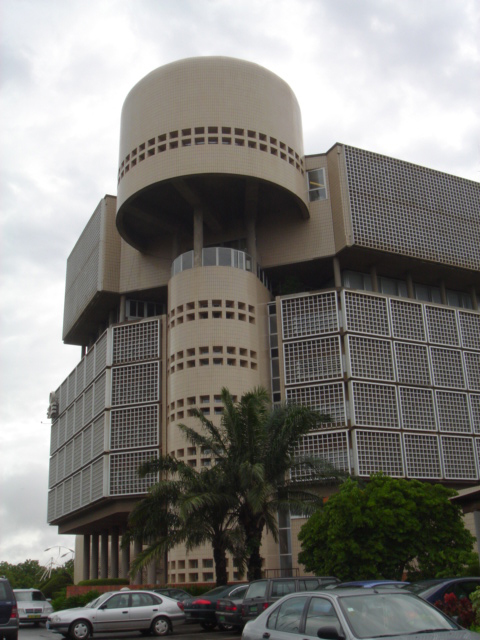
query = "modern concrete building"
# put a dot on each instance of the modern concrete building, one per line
(344, 280)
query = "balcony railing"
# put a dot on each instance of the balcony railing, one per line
(219, 257)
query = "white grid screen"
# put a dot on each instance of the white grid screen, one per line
(472, 365)
(311, 360)
(453, 414)
(332, 447)
(407, 320)
(134, 427)
(124, 478)
(328, 399)
(417, 408)
(375, 405)
(379, 451)
(447, 368)
(470, 329)
(370, 358)
(136, 341)
(366, 314)
(458, 458)
(412, 363)
(475, 407)
(135, 383)
(442, 326)
(309, 315)
(422, 456)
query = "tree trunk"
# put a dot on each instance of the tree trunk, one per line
(254, 562)
(220, 559)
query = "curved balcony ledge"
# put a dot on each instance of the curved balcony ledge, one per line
(219, 257)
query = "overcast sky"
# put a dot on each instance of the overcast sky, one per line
(398, 77)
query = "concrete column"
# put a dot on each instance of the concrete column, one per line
(137, 547)
(197, 236)
(86, 557)
(373, 275)
(104, 554)
(152, 572)
(125, 562)
(443, 292)
(410, 287)
(94, 563)
(114, 552)
(337, 273)
(474, 297)
(123, 308)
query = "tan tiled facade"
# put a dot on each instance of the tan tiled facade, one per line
(344, 280)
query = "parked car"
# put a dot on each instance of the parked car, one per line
(262, 593)
(229, 613)
(435, 589)
(117, 611)
(202, 609)
(173, 592)
(32, 606)
(369, 584)
(354, 614)
(8, 611)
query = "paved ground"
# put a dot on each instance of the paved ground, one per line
(184, 632)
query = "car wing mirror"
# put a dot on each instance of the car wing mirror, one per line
(330, 633)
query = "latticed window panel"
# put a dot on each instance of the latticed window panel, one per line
(79, 414)
(365, 313)
(89, 367)
(379, 451)
(414, 211)
(475, 408)
(88, 405)
(54, 436)
(374, 405)
(472, 366)
(134, 427)
(100, 387)
(71, 387)
(135, 384)
(51, 505)
(80, 382)
(61, 465)
(97, 479)
(86, 486)
(52, 471)
(59, 501)
(70, 422)
(87, 445)
(447, 368)
(69, 458)
(413, 366)
(136, 341)
(328, 399)
(311, 360)
(62, 428)
(98, 439)
(310, 315)
(458, 458)
(101, 353)
(124, 478)
(452, 411)
(442, 326)
(422, 456)
(370, 358)
(76, 491)
(332, 447)
(469, 329)
(77, 452)
(67, 496)
(407, 320)
(417, 408)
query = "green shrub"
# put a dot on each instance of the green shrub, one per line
(57, 583)
(62, 602)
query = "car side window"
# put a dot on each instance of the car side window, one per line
(320, 613)
(119, 601)
(239, 592)
(288, 616)
(463, 589)
(142, 600)
(282, 588)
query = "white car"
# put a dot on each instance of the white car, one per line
(117, 611)
(32, 606)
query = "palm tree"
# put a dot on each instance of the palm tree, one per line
(191, 508)
(254, 451)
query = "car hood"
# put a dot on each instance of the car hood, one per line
(65, 613)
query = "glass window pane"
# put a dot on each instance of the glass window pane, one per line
(209, 257)
(224, 257)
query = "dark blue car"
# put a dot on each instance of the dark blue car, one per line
(369, 584)
(436, 589)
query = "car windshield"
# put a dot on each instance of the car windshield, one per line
(381, 615)
(98, 601)
(30, 596)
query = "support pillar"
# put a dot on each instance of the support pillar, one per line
(337, 273)
(443, 292)
(94, 562)
(123, 308)
(410, 286)
(114, 552)
(86, 557)
(473, 294)
(125, 561)
(251, 207)
(104, 554)
(374, 276)
(197, 236)
(137, 547)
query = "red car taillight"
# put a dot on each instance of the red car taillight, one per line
(14, 613)
(266, 605)
(201, 602)
(231, 608)
(181, 605)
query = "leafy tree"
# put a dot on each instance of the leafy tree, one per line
(385, 529)
(24, 575)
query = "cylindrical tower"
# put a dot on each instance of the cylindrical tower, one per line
(208, 146)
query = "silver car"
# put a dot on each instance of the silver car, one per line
(32, 606)
(354, 614)
(117, 611)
